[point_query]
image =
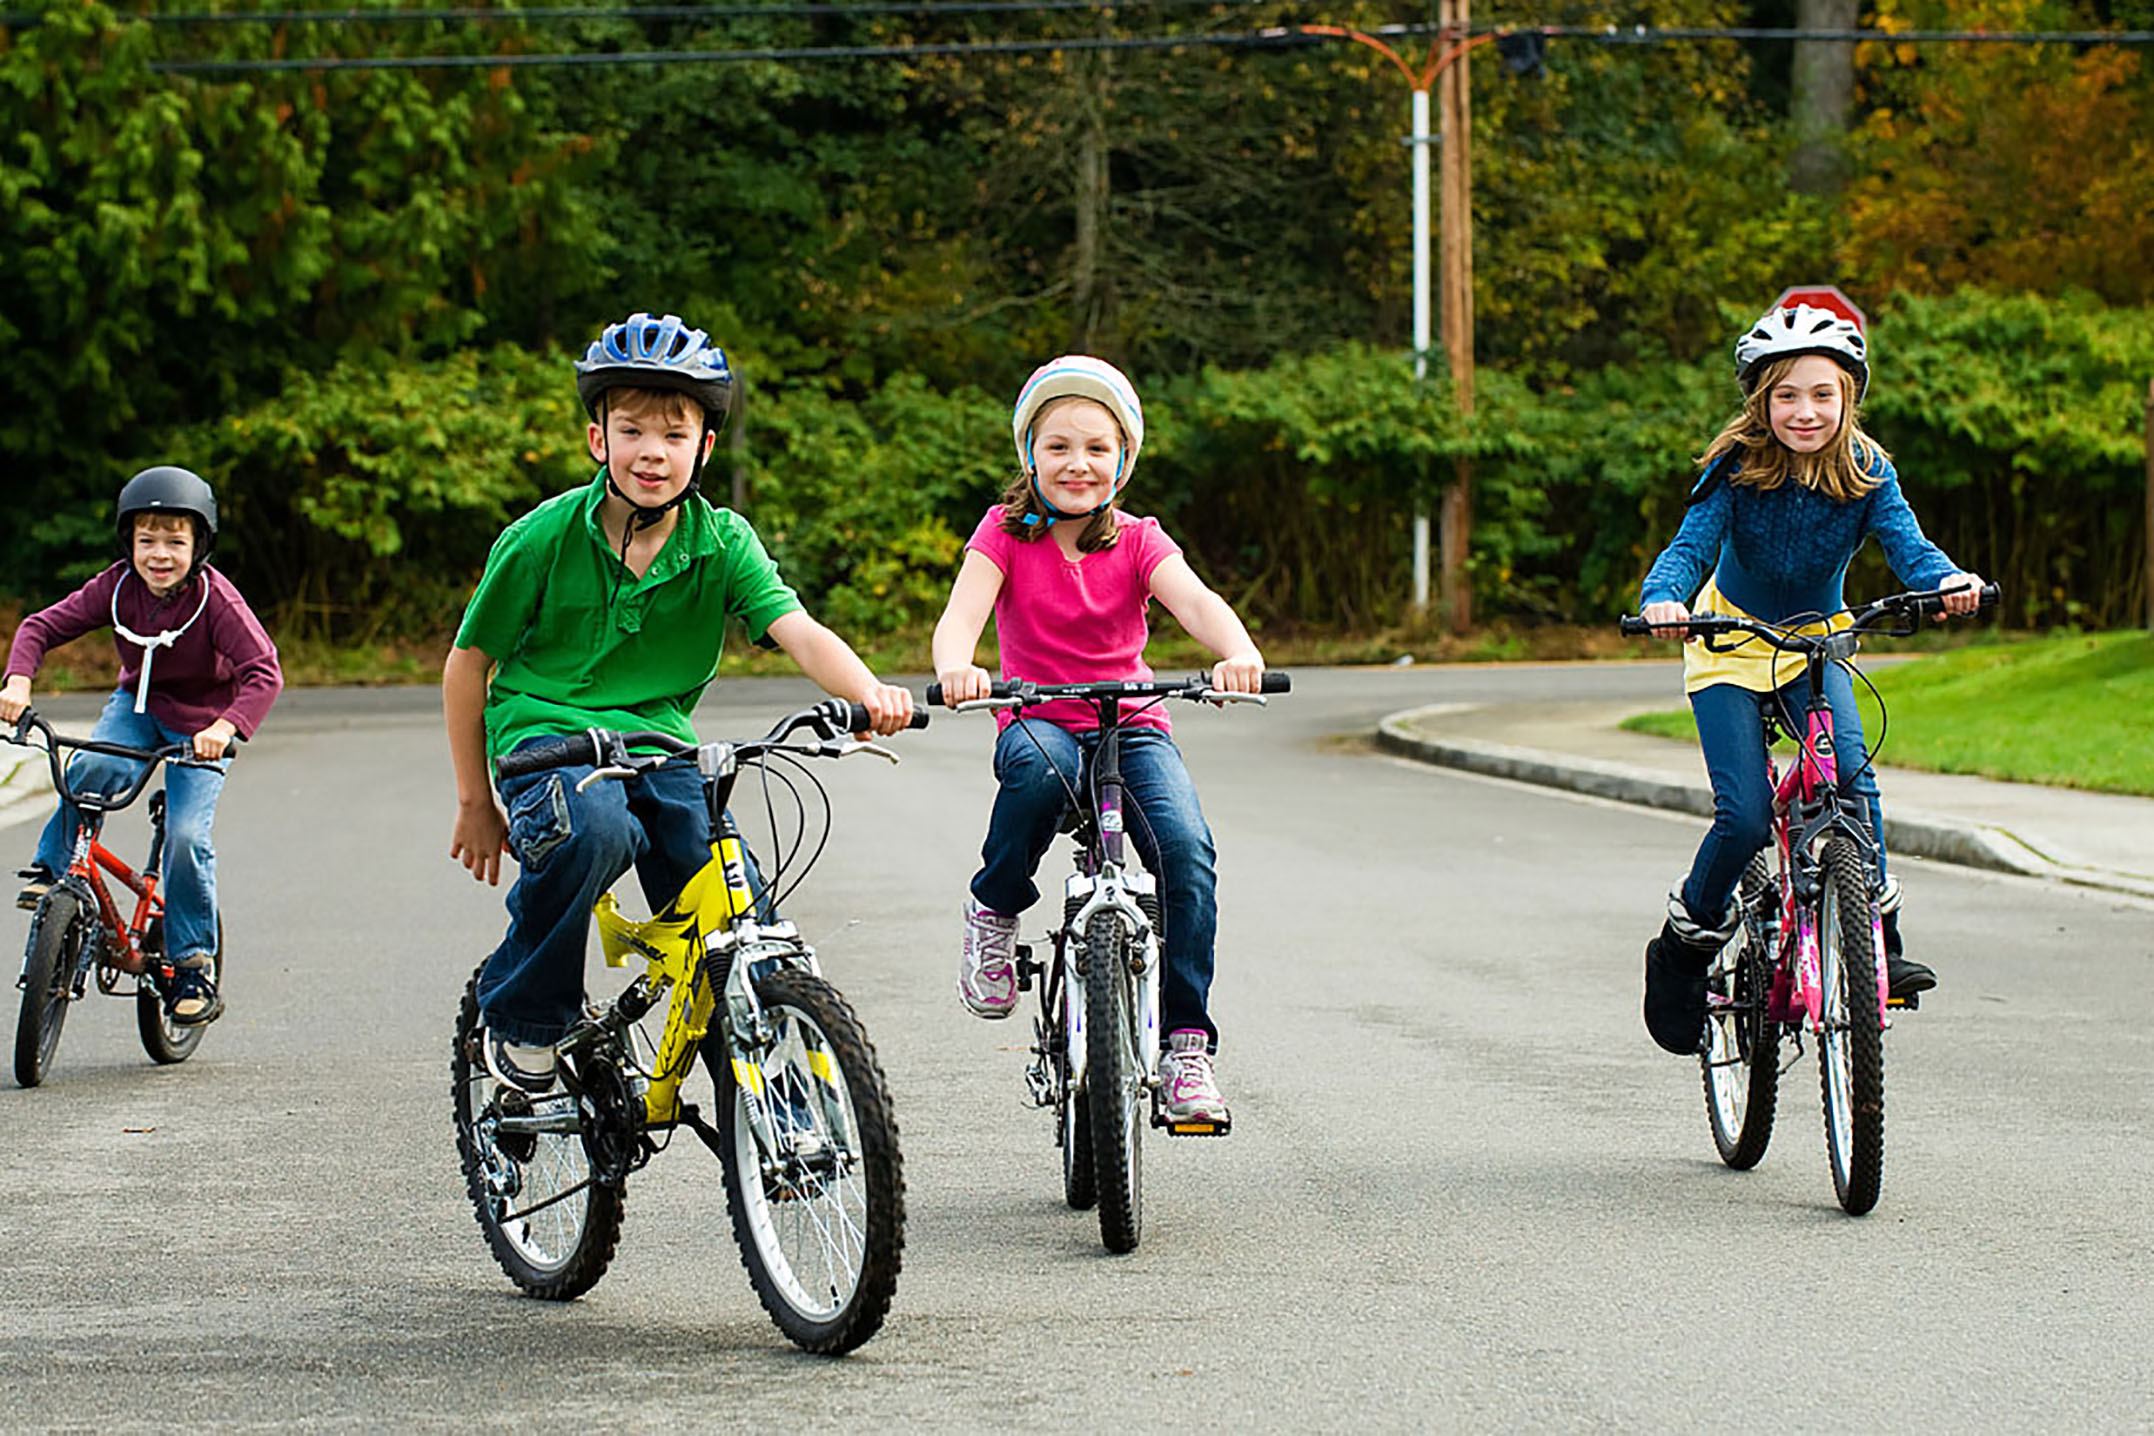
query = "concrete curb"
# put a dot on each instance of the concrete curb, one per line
(1917, 834)
(25, 784)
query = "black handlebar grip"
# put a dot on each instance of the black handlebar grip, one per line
(1275, 681)
(934, 695)
(1633, 627)
(857, 719)
(563, 751)
(1991, 594)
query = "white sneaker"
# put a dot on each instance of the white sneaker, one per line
(987, 962)
(1189, 1090)
(527, 1069)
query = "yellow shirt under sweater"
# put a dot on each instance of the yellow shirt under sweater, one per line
(1749, 661)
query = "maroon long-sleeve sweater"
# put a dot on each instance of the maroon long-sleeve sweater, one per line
(223, 666)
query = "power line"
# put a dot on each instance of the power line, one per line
(1270, 38)
(645, 12)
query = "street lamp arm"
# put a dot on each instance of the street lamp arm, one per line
(1340, 32)
(1420, 79)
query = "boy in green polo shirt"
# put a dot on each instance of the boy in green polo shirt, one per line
(605, 607)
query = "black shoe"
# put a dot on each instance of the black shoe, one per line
(1904, 977)
(191, 999)
(1675, 992)
(37, 881)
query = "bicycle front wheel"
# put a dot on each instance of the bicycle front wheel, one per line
(57, 936)
(165, 1040)
(549, 1223)
(1741, 1060)
(1115, 1086)
(820, 1213)
(1851, 1050)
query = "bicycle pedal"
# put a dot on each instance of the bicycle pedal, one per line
(1911, 1002)
(1195, 1128)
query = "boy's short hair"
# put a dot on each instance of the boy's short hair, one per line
(671, 403)
(168, 521)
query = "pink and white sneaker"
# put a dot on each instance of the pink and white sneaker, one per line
(1189, 1091)
(987, 962)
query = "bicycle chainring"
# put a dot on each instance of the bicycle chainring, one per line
(613, 1122)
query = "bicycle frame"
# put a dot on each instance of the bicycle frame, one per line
(1807, 806)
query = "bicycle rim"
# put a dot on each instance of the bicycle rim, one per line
(551, 1229)
(1851, 1056)
(57, 935)
(1115, 1085)
(820, 1222)
(1741, 1061)
(165, 1040)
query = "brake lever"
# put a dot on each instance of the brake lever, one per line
(971, 705)
(1224, 696)
(864, 745)
(610, 771)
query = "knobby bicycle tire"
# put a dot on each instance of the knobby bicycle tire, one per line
(556, 1252)
(165, 1040)
(1851, 1056)
(1116, 1092)
(847, 1218)
(1741, 1060)
(57, 934)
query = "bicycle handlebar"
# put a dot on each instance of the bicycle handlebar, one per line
(181, 754)
(1197, 687)
(595, 747)
(1907, 605)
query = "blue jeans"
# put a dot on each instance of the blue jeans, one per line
(569, 848)
(1731, 730)
(190, 862)
(1171, 837)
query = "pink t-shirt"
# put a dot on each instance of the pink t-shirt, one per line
(1082, 621)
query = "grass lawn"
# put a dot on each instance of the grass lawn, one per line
(2075, 711)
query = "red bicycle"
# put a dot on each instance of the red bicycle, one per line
(79, 929)
(1809, 956)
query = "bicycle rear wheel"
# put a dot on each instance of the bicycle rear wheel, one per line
(1851, 1051)
(820, 1220)
(551, 1227)
(57, 936)
(165, 1040)
(1115, 1089)
(1741, 1061)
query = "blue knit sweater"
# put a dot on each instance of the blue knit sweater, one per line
(1778, 553)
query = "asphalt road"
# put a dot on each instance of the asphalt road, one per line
(1464, 1190)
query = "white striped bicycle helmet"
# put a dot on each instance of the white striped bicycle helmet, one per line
(1802, 329)
(1079, 376)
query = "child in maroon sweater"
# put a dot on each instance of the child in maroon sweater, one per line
(195, 668)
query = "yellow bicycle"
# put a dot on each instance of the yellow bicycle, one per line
(815, 1185)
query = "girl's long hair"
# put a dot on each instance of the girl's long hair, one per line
(1840, 470)
(1021, 499)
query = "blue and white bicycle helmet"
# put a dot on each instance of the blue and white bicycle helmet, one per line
(645, 353)
(1802, 329)
(1077, 376)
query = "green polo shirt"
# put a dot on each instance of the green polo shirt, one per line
(580, 642)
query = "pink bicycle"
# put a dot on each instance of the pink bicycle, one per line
(1809, 956)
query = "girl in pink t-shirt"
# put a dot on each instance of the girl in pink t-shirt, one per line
(1068, 576)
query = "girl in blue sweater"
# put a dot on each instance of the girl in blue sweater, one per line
(1790, 490)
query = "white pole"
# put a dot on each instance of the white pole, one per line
(1420, 146)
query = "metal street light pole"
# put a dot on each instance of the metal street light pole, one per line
(1457, 277)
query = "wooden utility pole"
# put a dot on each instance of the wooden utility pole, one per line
(1455, 182)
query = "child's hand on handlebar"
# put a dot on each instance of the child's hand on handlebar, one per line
(889, 707)
(1240, 673)
(210, 743)
(963, 685)
(1963, 594)
(14, 697)
(1666, 617)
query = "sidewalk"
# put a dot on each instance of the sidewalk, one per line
(2098, 840)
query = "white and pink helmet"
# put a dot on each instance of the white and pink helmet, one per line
(1079, 376)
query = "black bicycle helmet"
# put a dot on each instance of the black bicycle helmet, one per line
(167, 489)
(645, 353)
